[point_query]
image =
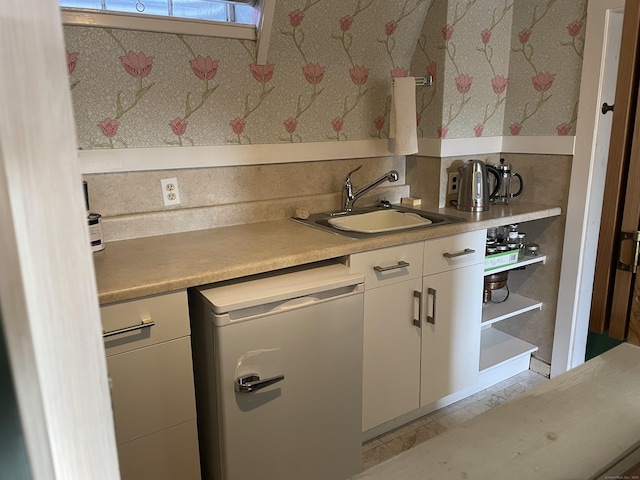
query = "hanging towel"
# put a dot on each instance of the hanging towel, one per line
(402, 124)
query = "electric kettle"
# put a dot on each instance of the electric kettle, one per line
(504, 190)
(473, 190)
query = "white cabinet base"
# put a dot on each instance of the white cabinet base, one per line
(498, 348)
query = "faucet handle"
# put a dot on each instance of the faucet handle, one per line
(348, 178)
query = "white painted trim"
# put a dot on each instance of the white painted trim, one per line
(154, 23)
(49, 300)
(585, 200)
(543, 145)
(168, 158)
(264, 27)
(161, 158)
(456, 147)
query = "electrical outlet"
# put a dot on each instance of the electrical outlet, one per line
(170, 192)
(453, 183)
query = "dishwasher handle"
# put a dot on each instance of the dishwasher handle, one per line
(252, 383)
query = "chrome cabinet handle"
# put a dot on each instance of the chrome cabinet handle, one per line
(146, 323)
(418, 321)
(466, 251)
(252, 383)
(400, 264)
(432, 318)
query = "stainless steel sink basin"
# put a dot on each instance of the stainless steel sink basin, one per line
(375, 221)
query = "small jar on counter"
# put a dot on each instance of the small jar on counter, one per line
(95, 232)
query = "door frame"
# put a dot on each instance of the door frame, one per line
(48, 295)
(585, 199)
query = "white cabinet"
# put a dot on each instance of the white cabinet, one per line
(411, 360)
(451, 340)
(391, 349)
(452, 286)
(148, 348)
(391, 355)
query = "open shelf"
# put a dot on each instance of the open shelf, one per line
(526, 260)
(514, 305)
(498, 348)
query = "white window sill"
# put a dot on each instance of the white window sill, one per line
(153, 23)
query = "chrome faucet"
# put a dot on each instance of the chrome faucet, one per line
(351, 197)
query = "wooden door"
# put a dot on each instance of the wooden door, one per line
(626, 263)
(621, 205)
(634, 319)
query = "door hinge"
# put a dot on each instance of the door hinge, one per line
(635, 238)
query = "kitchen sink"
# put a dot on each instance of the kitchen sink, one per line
(374, 221)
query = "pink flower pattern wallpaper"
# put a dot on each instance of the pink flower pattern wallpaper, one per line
(500, 67)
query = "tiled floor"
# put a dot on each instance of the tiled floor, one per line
(392, 443)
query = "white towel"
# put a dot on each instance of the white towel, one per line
(402, 124)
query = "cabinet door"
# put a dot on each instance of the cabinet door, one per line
(152, 389)
(451, 344)
(391, 384)
(170, 454)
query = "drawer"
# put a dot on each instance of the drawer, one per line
(455, 251)
(168, 312)
(165, 455)
(151, 388)
(388, 265)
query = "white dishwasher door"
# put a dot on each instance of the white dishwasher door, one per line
(304, 421)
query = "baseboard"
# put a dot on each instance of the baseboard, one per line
(540, 366)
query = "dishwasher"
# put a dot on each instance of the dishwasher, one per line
(278, 375)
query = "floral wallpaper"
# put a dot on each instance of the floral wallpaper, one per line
(547, 45)
(500, 66)
(504, 67)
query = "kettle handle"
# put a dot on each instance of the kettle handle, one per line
(521, 185)
(496, 174)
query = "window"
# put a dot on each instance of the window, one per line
(239, 19)
(238, 11)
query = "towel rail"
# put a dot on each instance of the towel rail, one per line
(421, 81)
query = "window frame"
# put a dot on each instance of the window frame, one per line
(259, 33)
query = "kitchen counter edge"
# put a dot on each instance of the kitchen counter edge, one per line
(141, 267)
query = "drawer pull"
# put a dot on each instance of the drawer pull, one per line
(466, 251)
(146, 323)
(400, 264)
